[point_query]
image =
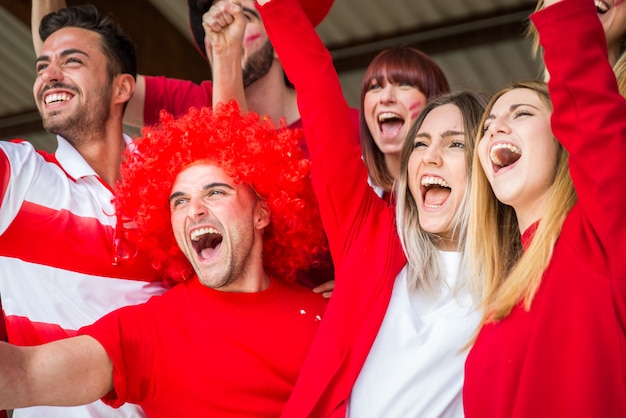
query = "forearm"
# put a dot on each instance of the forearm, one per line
(228, 79)
(40, 8)
(14, 390)
(73, 371)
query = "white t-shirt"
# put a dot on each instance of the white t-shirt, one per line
(415, 367)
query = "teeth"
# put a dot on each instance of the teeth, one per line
(493, 154)
(57, 97)
(196, 234)
(386, 116)
(601, 6)
(430, 180)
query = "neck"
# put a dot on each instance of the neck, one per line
(269, 96)
(393, 164)
(103, 152)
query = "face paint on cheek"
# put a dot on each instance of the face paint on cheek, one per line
(618, 3)
(416, 109)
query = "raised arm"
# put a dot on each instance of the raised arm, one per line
(224, 25)
(589, 120)
(40, 8)
(338, 172)
(67, 372)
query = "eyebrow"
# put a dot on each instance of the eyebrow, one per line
(445, 134)
(251, 11)
(206, 187)
(64, 53)
(512, 109)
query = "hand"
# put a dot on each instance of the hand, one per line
(224, 25)
(326, 289)
(548, 3)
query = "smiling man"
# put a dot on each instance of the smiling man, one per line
(63, 260)
(231, 338)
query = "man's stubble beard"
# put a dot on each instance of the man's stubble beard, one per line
(85, 123)
(258, 64)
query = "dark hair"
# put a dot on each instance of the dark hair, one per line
(116, 45)
(401, 64)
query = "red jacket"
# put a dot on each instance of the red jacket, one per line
(360, 226)
(566, 357)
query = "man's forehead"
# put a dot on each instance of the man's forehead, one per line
(202, 171)
(71, 38)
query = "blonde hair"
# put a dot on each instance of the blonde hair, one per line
(620, 73)
(425, 267)
(502, 273)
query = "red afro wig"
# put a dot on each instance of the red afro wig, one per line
(248, 148)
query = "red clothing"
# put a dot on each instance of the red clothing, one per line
(174, 96)
(358, 223)
(566, 357)
(196, 351)
(57, 249)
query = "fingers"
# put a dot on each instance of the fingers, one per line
(326, 289)
(221, 15)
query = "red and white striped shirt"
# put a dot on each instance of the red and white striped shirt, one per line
(57, 270)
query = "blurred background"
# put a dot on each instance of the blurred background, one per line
(480, 44)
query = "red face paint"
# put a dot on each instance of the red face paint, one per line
(417, 105)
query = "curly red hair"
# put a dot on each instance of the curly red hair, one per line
(248, 148)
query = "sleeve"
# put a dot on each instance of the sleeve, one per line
(589, 119)
(126, 336)
(338, 173)
(175, 96)
(19, 167)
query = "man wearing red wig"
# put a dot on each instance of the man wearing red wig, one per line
(223, 203)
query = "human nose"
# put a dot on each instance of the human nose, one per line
(388, 94)
(51, 74)
(196, 209)
(433, 155)
(498, 125)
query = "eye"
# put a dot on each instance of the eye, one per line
(178, 202)
(40, 67)
(73, 60)
(457, 144)
(419, 144)
(374, 85)
(215, 193)
(522, 112)
(486, 127)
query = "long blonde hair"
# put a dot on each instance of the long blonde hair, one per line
(425, 269)
(502, 273)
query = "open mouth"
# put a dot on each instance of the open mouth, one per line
(601, 7)
(390, 124)
(503, 155)
(435, 191)
(205, 241)
(56, 98)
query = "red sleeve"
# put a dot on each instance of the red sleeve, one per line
(127, 336)
(589, 120)
(338, 172)
(175, 96)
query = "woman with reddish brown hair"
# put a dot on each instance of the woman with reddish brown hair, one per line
(396, 86)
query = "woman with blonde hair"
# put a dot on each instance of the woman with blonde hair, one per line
(548, 236)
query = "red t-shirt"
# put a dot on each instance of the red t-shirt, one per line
(196, 351)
